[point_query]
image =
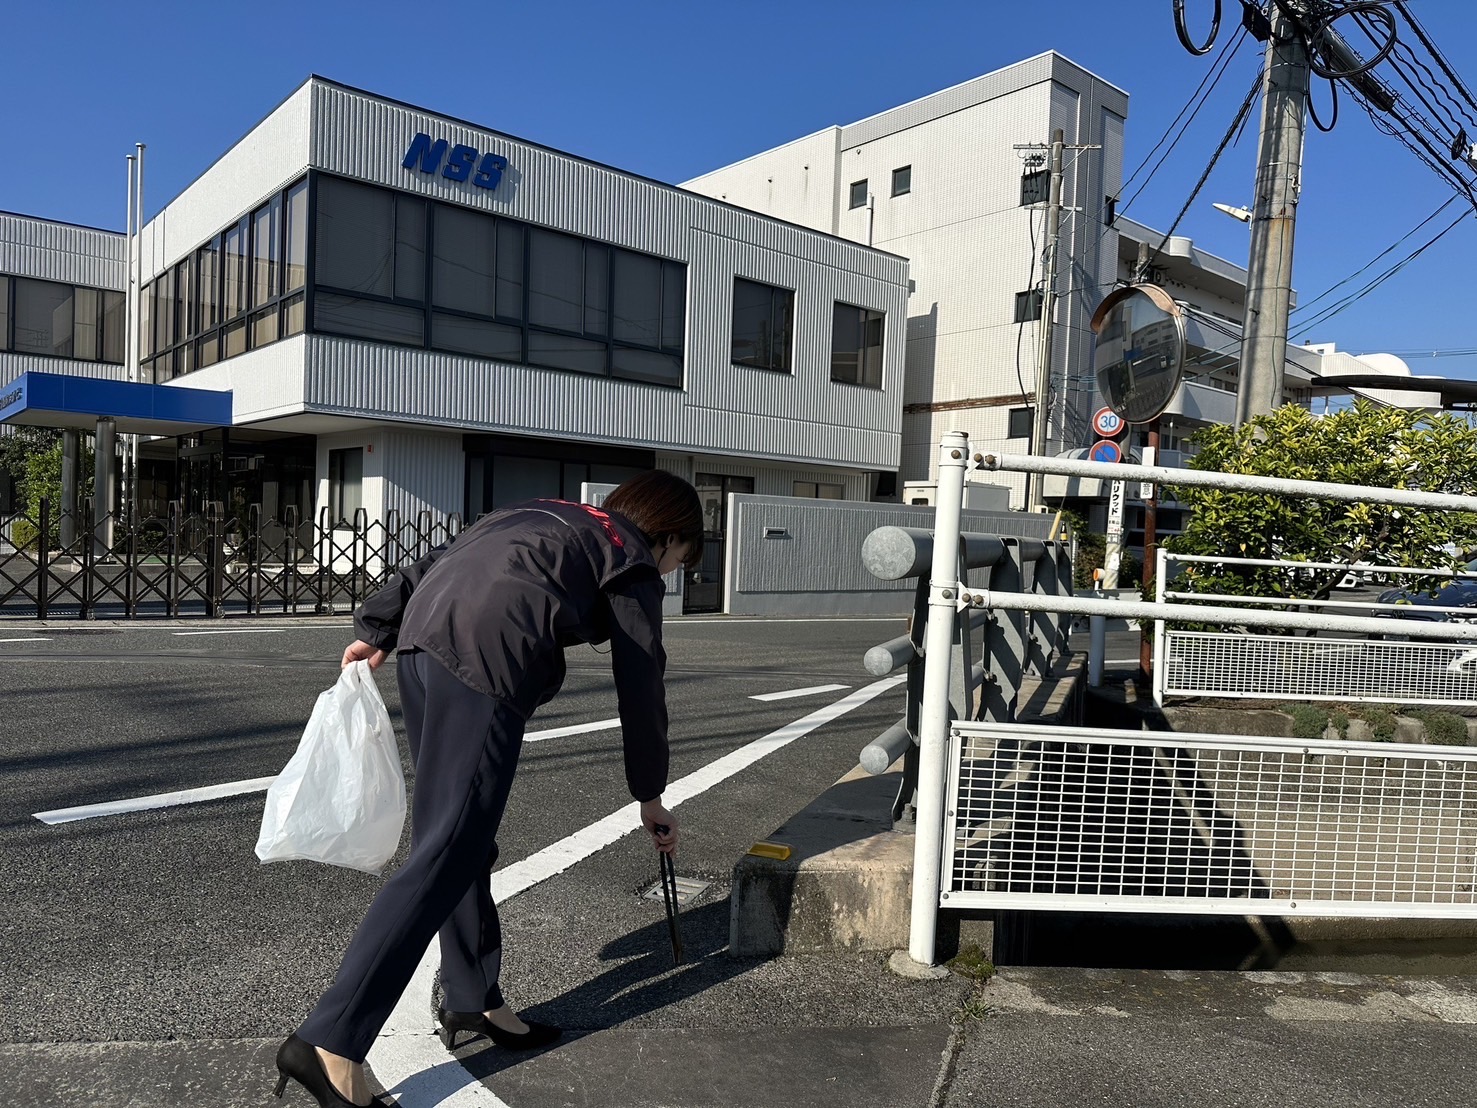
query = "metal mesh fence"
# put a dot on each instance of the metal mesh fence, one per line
(1203, 663)
(1083, 819)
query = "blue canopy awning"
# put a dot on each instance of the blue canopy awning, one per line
(66, 400)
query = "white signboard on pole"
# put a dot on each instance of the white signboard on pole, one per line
(1146, 488)
(1116, 495)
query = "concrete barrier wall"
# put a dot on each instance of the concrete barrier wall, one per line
(800, 557)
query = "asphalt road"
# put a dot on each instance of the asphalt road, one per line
(142, 925)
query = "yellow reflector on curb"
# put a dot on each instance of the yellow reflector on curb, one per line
(778, 851)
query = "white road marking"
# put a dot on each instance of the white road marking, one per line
(572, 729)
(408, 1059)
(242, 631)
(787, 694)
(158, 800)
(25, 640)
(236, 788)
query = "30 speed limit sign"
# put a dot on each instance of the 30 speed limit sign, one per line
(1107, 423)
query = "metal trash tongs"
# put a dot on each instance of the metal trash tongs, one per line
(669, 896)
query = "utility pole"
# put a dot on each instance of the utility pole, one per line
(1035, 502)
(1274, 213)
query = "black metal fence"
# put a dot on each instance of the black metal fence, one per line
(59, 565)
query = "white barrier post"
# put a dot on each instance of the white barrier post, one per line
(1161, 663)
(933, 729)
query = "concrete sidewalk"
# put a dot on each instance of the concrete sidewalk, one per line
(1025, 1038)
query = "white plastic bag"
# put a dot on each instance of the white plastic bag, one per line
(341, 798)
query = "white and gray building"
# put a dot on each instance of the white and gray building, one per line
(939, 181)
(412, 313)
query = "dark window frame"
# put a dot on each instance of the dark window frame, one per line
(1028, 305)
(907, 181)
(193, 336)
(852, 203)
(1014, 420)
(7, 332)
(781, 358)
(671, 270)
(864, 318)
(337, 483)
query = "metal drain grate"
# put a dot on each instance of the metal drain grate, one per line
(687, 889)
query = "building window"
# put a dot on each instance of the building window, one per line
(1019, 425)
(345, 484)
(61, 321)
(902, 180)
(858, 194)
(470, 283)
(856, 346)
(1028, 305)
(239, 291)
(763, 325)
(820, 490)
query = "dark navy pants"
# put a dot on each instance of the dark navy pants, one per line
(465, 748)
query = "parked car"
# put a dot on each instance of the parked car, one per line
(1460, 593)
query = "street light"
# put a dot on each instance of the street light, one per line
(1243, 214)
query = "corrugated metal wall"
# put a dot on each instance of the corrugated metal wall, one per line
(62, 252)
(13, 365)
(423, 472)
(803, 557)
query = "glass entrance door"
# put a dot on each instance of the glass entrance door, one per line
(704, 591)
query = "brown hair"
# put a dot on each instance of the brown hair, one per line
(661, 504)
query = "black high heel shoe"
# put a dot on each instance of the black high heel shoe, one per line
(298, 1060)
(479, 1026)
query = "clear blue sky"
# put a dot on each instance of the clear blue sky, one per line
(670, 90)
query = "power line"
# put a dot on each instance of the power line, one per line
(1236, 123)
(1420, 33)
(1334, 309)
(1333, 288)
(1213, 76)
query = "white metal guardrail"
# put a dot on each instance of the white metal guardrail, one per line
(1033, 817)
(1119, 821)
(1265, 667)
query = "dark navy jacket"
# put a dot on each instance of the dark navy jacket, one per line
(498, 605)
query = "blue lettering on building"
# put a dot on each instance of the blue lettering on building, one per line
(462, 163)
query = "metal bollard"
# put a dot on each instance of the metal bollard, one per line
(886, 748)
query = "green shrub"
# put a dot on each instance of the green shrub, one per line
(1308, 720)
(1381, 721)
(1340, 721)
(23, 534)
(1442, 728)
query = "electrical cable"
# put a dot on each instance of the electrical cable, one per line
(1241, 115)
(1420, 86)
(1333, 88)
(1417, 144)
(1334, 309)
(1425, 40)
(1313, 35)
(1333, 288)
(1020, 328)
(1184, 34)
(1213, 75)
